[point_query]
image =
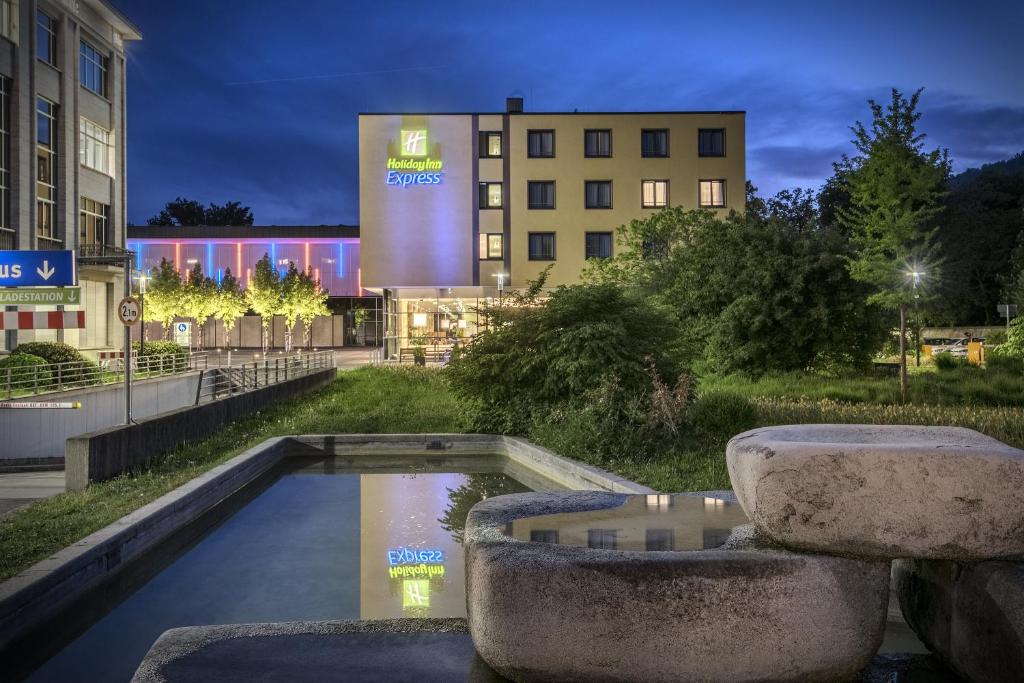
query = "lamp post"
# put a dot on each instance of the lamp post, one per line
(916, 276)
(501, 285)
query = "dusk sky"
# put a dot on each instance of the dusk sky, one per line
(257, 100)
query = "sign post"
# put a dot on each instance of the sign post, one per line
(128, 313)
(1007, 311)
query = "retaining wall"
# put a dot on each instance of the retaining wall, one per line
(106, 453)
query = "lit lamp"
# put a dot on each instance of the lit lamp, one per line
(419, 319)
(445, 323)
(462, 324)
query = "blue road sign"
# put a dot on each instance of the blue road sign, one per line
(37, 268)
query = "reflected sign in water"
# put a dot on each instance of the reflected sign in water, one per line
(655, 522)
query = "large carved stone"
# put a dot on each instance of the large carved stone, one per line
(970, 616)
(882, 491)
(747, 611)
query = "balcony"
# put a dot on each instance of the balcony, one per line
(97, 254)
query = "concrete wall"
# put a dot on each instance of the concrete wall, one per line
(108, 452)
(34, 434)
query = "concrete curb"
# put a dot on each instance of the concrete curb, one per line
(38, 594)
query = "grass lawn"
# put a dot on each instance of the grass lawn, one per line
(382, 400)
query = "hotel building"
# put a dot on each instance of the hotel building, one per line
(456, 207)
(62, 147)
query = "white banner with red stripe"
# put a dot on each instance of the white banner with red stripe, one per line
(44, 320)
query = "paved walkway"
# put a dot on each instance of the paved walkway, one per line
(18, 489)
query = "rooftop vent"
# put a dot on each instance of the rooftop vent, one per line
(514, 105)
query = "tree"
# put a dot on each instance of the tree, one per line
(314, 305)
(199, 299)
(301, 299)
(895, 189)
(264, 295)
(190, 212)
(230, 302)
(163, 296)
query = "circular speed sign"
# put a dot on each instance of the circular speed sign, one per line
(128, 310)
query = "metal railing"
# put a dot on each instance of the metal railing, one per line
(42, 379)
(221, 382)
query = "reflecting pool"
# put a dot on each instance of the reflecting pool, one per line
(322, 540)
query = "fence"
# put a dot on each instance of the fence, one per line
(40, 379)
(221, 382)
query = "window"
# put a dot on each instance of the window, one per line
(9, 20)
(711, 142)
(490, 144)
(491, 246)
(95, 147)
(598, 245)
(46, 151)
(46, 38)
(93, 219)
(654, 193)
(542, 246)
(712, 193)
(92, 69)
(602, 538)
(654, 143)
(598, 194)
(544, 536)
(540, 143)
(660, 539)
(490, 195)
(540, 194)
(597, 143)
(6, 232)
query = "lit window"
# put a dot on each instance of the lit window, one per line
(490, 196)
(597, 143)
(93, 220)
(654, 193)
(712, 193)
(491, 246)
(659, 500)
(9, 20)
(46, 179)
(711, 142)
(490, 144)
(542, 246)
(654, 143)
(598, 194)
(92, 68)
(540, 194)
(540, 143)
(598, 245)
(95, 147)
(46, 38)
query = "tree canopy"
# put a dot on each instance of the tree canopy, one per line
(183, 211)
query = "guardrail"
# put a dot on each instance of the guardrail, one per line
(221, 382)
(55, 377)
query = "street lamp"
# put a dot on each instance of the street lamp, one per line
(501, 285)
(916, 276)
(142, 277)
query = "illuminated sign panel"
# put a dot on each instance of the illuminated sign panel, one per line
(413, 166)
(406, 563)
(415, 593)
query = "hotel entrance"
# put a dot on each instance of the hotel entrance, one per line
(428, 323)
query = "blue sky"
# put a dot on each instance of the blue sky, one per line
(256, 100)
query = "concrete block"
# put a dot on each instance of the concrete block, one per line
(882, 491)
(748, 611)
(970, 615)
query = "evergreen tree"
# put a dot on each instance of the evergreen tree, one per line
(895, 190)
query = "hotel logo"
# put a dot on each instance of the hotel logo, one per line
(414, 143)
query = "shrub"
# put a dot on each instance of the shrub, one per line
(76, 368)
(1002, 362)
(160, 348)
(718, 416)
(947, 361)
(24, 370)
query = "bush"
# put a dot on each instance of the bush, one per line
(76, 367)
(160, 348)
(947, 361)
(719, 416)
(995, 360)
(24, 370)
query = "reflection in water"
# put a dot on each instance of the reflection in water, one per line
(656, 522)
(477, 488)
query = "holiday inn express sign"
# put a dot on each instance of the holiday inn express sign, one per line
(413, 166)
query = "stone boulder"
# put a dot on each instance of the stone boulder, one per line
(970, 615)
(747, 611)
(882, 491)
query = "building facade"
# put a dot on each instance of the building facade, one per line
(456, 207)
(62, 147)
